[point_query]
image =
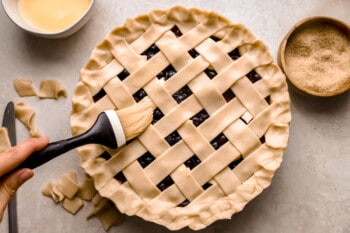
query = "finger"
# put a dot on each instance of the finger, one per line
(10, 159)
(9, 185)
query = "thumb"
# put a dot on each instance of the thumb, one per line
(9, 185)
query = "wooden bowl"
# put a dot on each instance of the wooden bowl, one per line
(315, 56)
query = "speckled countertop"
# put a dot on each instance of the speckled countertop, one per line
(311, 190)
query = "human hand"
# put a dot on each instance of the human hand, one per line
(9, 160)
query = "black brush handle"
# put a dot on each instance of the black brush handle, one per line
(100, 133)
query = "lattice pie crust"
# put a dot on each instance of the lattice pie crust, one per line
(220, 127)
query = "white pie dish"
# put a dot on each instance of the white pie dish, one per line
(12, 10)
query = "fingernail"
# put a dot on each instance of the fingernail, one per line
(26, 175)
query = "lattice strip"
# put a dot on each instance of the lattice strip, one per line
(262, 121)
(214, 54)
(206, 170)
(178, 154)
(174, 50)
(216, 124)
(142, 185)
(178, 116)
(232, 73)
(124, 157)
(196, 141)
(199, 33)
(216, 100)
(118, 93)
(251, 163)
(237, 36)
(146, 72)
(185, 75)
(151, 35)
(242, 138)
(212, 193)
(94, 83)
(151, 136)
(160, 96)
(169, 197)
(250, 98)
(131, 63)
(227, 181)
(186, 183)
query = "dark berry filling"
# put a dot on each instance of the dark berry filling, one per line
(105, 155)
(157, 115)
(120, 177)
(123, 75)
(206, 186)
(253, 76)
(242, 119)
(192, 162)
(146, 159)
(214, 38)
(184, 203)
(182, 94)
(99, 95)
(235, 163)
(262, 139)
(173, 138)
(193, 53)
(229, 95)
(167, 73)
(176, 31)
(139, 95)
(219, 141)
(234, 54)
(210, 73)
(166, 183)
(151, 51)
(199, 117)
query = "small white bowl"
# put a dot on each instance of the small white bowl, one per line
(12, 10)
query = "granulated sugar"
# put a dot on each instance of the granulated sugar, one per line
(318, 58)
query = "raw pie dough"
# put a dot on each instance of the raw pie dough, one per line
(24, 87)
(49, 89)
(26, 115)
(72, 195)
(220, 127)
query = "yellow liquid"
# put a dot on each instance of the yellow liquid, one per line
(52, 15)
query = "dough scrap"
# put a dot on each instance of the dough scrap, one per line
(51, 191)
(24, 87)
(51, 89)
(73, 205)
(5, 143)
(107, 213)
(68, 185)
(26, 115)
(87, 190)
(73, 194)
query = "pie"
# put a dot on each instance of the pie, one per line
(220, 126)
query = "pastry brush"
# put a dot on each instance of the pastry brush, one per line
(111, 129)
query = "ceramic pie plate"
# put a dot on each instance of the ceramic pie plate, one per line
(220, 126)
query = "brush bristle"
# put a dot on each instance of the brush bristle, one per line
(136, 118)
